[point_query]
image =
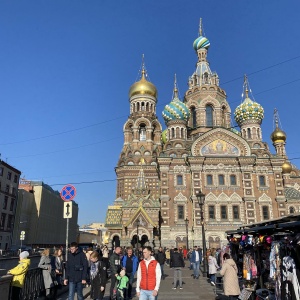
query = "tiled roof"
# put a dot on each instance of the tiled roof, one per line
(292, 194)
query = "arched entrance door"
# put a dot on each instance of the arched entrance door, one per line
(116, 241)
(144, 241)
(134, 242)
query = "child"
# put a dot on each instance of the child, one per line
(122, 285)
(98, 276)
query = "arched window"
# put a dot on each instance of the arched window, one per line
(142, 132)
(223, 116)
(223, 212)
(182, 133)
(292, 210)
(172, 132)
(179, 180)
(194, 117)
(180, 212)
(143, 106)
(221, 180)
(262, 181)
(209, 179)
(249, 133)
(235, 212)
(209, 116)
(232, 180)
(211, 212)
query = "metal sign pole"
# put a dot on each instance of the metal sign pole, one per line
(67, 239)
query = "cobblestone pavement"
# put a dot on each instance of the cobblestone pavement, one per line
(193, 289)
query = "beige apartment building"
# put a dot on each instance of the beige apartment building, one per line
(9, 180)
(40, 214)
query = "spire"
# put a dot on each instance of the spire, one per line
(276, 117)
(246, 87)
(143, 66)
(200, 27)
(175, 91)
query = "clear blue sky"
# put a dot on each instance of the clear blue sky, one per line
(66, 65)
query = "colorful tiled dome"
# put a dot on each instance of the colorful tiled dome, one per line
(164, 136)
(248, 110)
(176, 110)
(201, 42)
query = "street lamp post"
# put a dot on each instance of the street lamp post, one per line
(201, 199)
(187, 233)
(137, 237)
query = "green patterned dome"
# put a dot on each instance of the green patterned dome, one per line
(164, 136)
(176, 110)
(248, 110)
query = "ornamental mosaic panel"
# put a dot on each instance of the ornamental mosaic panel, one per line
(219, 148)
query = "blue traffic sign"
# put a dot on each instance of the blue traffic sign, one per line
(68, 192)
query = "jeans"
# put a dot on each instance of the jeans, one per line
(162, 270)
(113, 280)
(196, 267)
(212, 278)
(130, 282)
(75, 287)
(177, 276)
(146, 295)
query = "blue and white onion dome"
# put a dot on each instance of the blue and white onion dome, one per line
(248, 110)
(176, 110)
(201, 42)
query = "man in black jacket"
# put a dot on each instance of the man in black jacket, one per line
(177, 263)
(76, 271)
(115, 268)
(161, 258)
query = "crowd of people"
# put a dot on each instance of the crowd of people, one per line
(90, 266)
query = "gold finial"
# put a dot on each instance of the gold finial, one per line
(246, 86)
(143, 66)
(175, 88)
(276, 117)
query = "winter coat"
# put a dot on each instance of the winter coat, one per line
(19, 272)
(76, 267)
(231, 282)
(176, 260)
(45, 264)
(160, 257)
(212, 265)
(168, 254)
(115, 264)
(135, 263)
(98, 281)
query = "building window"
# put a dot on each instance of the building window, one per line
(249, 133)
(2, 220)
(180, 209)
(5, 202)
(236, 212)
(292, 210)
(221, 180)
(209, 116)
(223, 212)
(232, 180)
(194, 117)
(142, 133)
(10, 221)
(1, 171)
(265, 211)
(262, 180)
(15, 179)
(179, 180)
(9, 175)
(12, 203)
(7, 188)
(209, 180)
(211, 211)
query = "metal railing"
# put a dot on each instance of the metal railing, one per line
(33, 285)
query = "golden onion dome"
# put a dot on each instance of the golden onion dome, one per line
(286, 168)
(143, 87)
(278, 136)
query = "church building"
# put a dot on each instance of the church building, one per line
(160, 172)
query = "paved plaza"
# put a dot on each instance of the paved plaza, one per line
(193, 289)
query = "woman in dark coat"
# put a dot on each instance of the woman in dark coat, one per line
(98, 276)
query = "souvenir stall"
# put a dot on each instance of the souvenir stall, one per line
(268, 258)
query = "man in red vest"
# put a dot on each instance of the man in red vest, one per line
(148, 276)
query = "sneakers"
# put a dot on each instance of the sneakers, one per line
(174, 288)
(212, 283)
(181, 288)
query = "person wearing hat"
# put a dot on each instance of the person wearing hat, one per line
(19, 273)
